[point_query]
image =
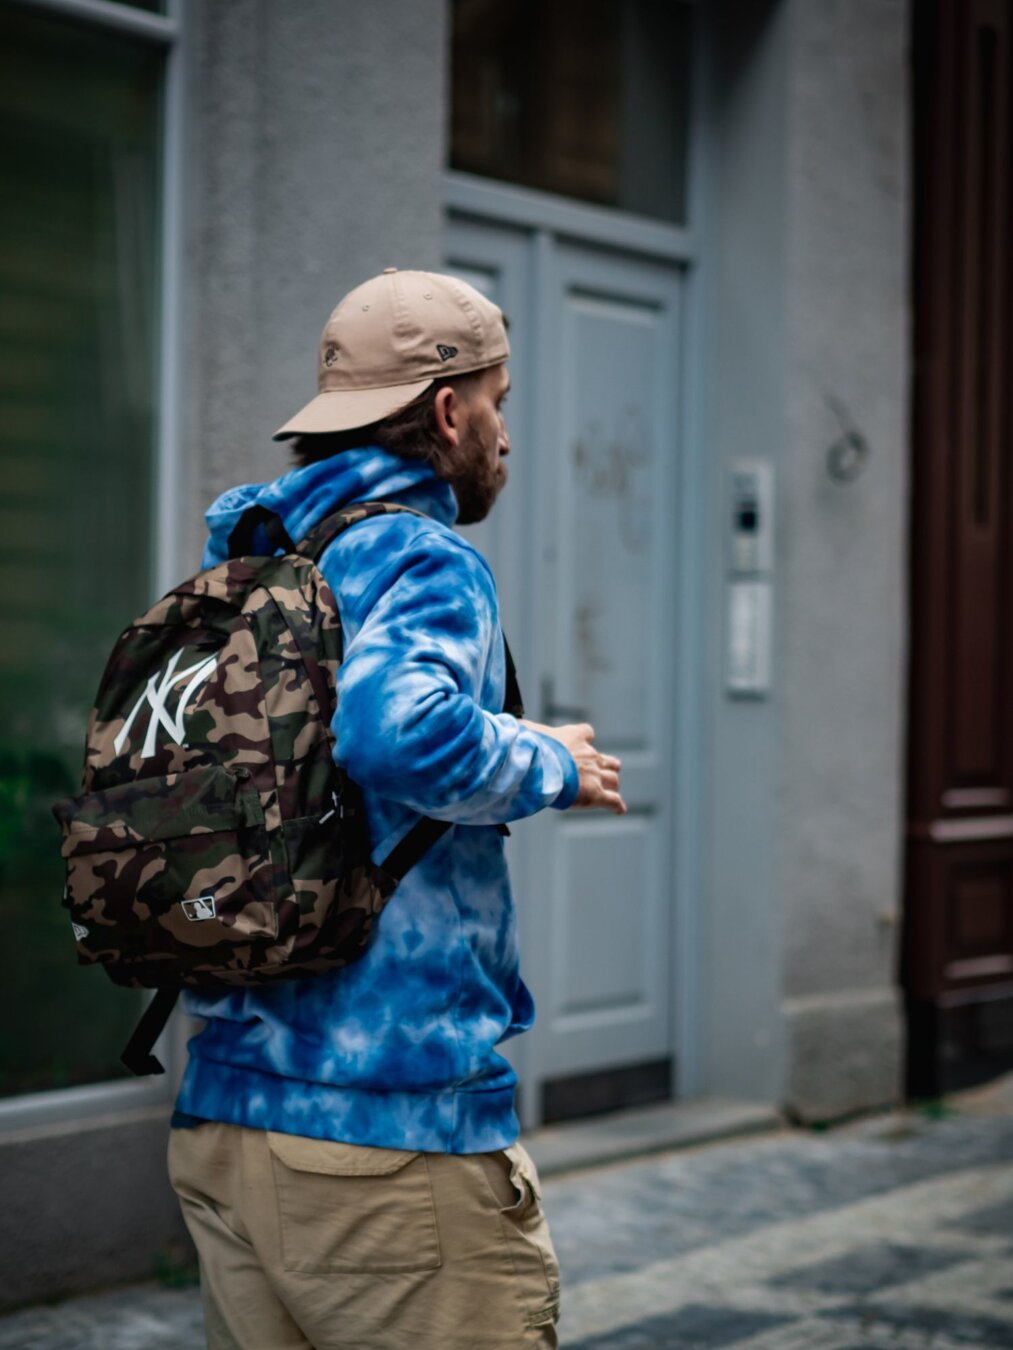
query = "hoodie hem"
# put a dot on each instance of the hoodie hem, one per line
(451, 1120)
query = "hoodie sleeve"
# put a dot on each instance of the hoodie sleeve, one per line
(409, 724)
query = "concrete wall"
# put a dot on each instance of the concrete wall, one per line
(318, 144)
(315, 144)
(843, 549)
(744, 228)
(809, 260)
(87, 1204)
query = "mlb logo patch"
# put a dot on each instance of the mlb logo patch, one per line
(201, 908)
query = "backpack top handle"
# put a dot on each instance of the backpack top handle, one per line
(240, 543)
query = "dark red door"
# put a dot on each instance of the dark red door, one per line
(958, 939)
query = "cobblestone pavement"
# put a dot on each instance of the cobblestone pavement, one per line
(894, 1232)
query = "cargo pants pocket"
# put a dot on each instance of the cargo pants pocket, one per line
(350, 1208)
(513, 1180)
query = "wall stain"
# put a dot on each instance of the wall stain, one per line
(607, 466)
(593, 660)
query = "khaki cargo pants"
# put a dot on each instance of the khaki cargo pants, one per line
(306, 1244)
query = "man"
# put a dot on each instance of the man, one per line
(345, 1149)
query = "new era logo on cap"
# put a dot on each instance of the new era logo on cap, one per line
(445, 352)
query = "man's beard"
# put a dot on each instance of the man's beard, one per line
(477, 480)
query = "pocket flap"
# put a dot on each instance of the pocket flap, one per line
(209, 798)
(325, 1156)
(523, 1172)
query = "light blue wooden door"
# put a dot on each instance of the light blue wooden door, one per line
(583, 542)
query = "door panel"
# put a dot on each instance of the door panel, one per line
(583, 545)
(606, 609)
(958, 920)
(605, 658)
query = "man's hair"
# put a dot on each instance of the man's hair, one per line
(411, 432)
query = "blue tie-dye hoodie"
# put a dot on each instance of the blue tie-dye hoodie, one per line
(398, 1050)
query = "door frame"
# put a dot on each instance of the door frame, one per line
(544, 218)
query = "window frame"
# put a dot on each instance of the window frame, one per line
(58, 1105)
(463, 179)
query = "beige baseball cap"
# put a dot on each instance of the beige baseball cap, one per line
(389, 339)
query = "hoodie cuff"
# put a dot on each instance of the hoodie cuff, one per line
(571, 778)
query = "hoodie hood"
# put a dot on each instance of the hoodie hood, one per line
(303, 497)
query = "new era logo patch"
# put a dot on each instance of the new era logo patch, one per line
(445, 352)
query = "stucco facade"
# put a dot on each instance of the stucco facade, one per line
(811, 205)
(844, 551)
(310, 160)
(315, 156)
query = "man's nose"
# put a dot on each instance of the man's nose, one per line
(504, 438)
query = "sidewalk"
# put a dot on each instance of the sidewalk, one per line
(893, 1232)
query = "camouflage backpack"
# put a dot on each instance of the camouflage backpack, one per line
(216, 842)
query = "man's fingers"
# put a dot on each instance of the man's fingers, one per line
(610, 762)
(601, 797)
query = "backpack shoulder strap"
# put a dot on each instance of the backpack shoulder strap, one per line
(513, 702)
(314, 543)
(421, 837)
(426, 831)
(241, 540)
(137, 1056)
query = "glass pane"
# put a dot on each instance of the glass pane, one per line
(588, 98)
(79, 155)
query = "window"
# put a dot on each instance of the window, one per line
(587, 98)
(80, 152)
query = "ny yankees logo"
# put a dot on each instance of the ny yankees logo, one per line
(156, 695)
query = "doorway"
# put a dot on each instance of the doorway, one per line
(584, 544)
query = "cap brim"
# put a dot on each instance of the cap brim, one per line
(346, 409)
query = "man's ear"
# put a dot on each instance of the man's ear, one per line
(447, 407)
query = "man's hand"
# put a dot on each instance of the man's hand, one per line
(599, 774)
